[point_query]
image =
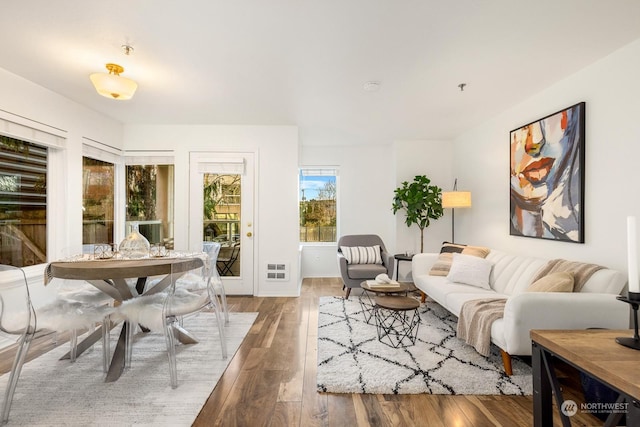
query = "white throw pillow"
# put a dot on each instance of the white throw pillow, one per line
(470, 270)
(362, 254)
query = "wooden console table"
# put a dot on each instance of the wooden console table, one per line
(594, 352)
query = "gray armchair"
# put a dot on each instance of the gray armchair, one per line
(354, 274)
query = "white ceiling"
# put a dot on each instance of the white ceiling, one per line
(304, 62)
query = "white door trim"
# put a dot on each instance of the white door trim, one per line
(232, 163)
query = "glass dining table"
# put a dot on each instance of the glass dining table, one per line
(110, 276)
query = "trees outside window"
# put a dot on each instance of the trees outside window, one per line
(23, 202)
(221, 205)
(149, 196)
(318, 205)
(98, 201)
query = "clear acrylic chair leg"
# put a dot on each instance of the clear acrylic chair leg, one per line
(216, 309)
(73, 341)
(18, 362)
(171, 350)
(131, 327)
(223, 299)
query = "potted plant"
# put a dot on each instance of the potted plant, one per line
(421, 202)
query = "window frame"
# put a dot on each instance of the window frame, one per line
(325, 170)
(55, 141)
(105, 153)
(149, 158)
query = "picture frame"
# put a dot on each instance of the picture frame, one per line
(547, 161)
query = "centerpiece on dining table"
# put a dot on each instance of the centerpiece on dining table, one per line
(135, 245)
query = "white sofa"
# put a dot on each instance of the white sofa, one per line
(595, 306)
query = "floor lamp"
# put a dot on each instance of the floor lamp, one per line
(455, 199)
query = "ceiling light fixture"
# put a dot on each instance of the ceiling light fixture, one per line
(113, 85)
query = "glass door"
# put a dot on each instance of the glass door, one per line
(221, 197)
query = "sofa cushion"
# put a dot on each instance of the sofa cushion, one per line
(470, 270)
(436, 287)
(512, 273)
(561, 281)
(443, 264)
(362, 254)
(455, 300)
(605, 281)
(365, 271)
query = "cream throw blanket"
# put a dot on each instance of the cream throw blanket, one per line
(474, 323)
(581, 271)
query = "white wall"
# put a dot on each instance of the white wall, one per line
(612, 151)
(276, 177)
(33, 102)
(318, 261)
(365, 190)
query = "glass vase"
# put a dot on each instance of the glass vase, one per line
(135, 245)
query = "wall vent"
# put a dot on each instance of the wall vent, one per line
(277, 271)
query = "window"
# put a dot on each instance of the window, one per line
(221, 203)
(318, 197)
(98, 201)
(150, 201)
(23, 202)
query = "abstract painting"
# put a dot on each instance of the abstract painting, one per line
(547, 177)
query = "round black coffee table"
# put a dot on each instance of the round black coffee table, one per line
(371, 291)
(397, 320)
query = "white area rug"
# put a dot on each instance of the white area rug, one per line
(52, 392)
(352, 360)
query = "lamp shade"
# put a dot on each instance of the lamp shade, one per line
(456, 199)
(112, 85)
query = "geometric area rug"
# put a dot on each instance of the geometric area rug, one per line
(53, 392)
(352, 360)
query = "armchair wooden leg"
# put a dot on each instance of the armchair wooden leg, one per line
(423, 297)
(506, 361)
(346, 296)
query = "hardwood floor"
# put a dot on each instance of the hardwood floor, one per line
(271, 380)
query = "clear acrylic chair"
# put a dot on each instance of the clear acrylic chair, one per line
(213, 250)
(90, 304)
(165, 311)
(77, 311)
(198, 280)
(19, 319)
